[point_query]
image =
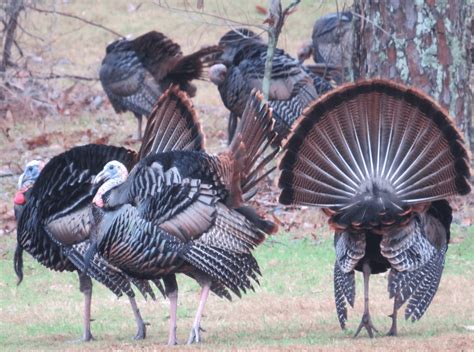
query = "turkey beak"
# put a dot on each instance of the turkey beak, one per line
(88, 257)
(101, 177)
(28, 177)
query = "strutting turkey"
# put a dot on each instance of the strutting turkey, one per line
(134, 73)
(380, 159)
(292, 86)
(331, 44)
(51, 208)
(181, 210)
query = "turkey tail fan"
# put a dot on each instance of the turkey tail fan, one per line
(371, 150)
(192, 66)
(18, 263)
(252, 144)
(172, 125)
(154, 50)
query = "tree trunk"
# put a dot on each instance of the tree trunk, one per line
(425, 44)
(12, 11)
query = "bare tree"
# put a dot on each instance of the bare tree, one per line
(12, 9)
(424, 44)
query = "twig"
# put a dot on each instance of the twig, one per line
(64, 14)
(17, 46)
(57, 76)
(7, 175)
(226, 21)
(275, 19)
(29, 33)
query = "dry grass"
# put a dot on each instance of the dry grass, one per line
(292, 309)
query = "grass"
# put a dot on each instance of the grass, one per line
(292, 309)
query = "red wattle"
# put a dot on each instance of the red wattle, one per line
(19, 198)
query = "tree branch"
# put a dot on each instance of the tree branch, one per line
(275, 19)
(64, 14)
(75, 77)
(226, 21)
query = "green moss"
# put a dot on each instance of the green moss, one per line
(402, 63)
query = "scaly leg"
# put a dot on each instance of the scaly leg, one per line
(141, 332)
(366, 321)
(195, 331)
(85, 286)
(139, 126)
(171, 290)
(393, 330)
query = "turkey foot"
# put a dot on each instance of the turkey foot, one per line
(195, 335)
(366, 323)
(393, 329)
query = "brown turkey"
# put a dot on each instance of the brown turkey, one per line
(380, 159)
(134, 73)
(292, 86)
(50, 203)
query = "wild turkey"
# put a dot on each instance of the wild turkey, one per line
(331, 43)
(51, 203)
(380, 159)
(180, 210)
(293, 87)
(134, 73)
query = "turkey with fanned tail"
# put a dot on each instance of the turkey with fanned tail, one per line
(381, 160)
(182, 210)
(134, 73)
(241, 69)
(51, 209)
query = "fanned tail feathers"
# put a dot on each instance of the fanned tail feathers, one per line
(252, 143)
(192, 66)
(173, 125)
(370, 151)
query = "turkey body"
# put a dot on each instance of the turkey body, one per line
(134, 73)
(292, 86)
(181, 210)
(331, 43)
(53, 223)
(380, 159)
